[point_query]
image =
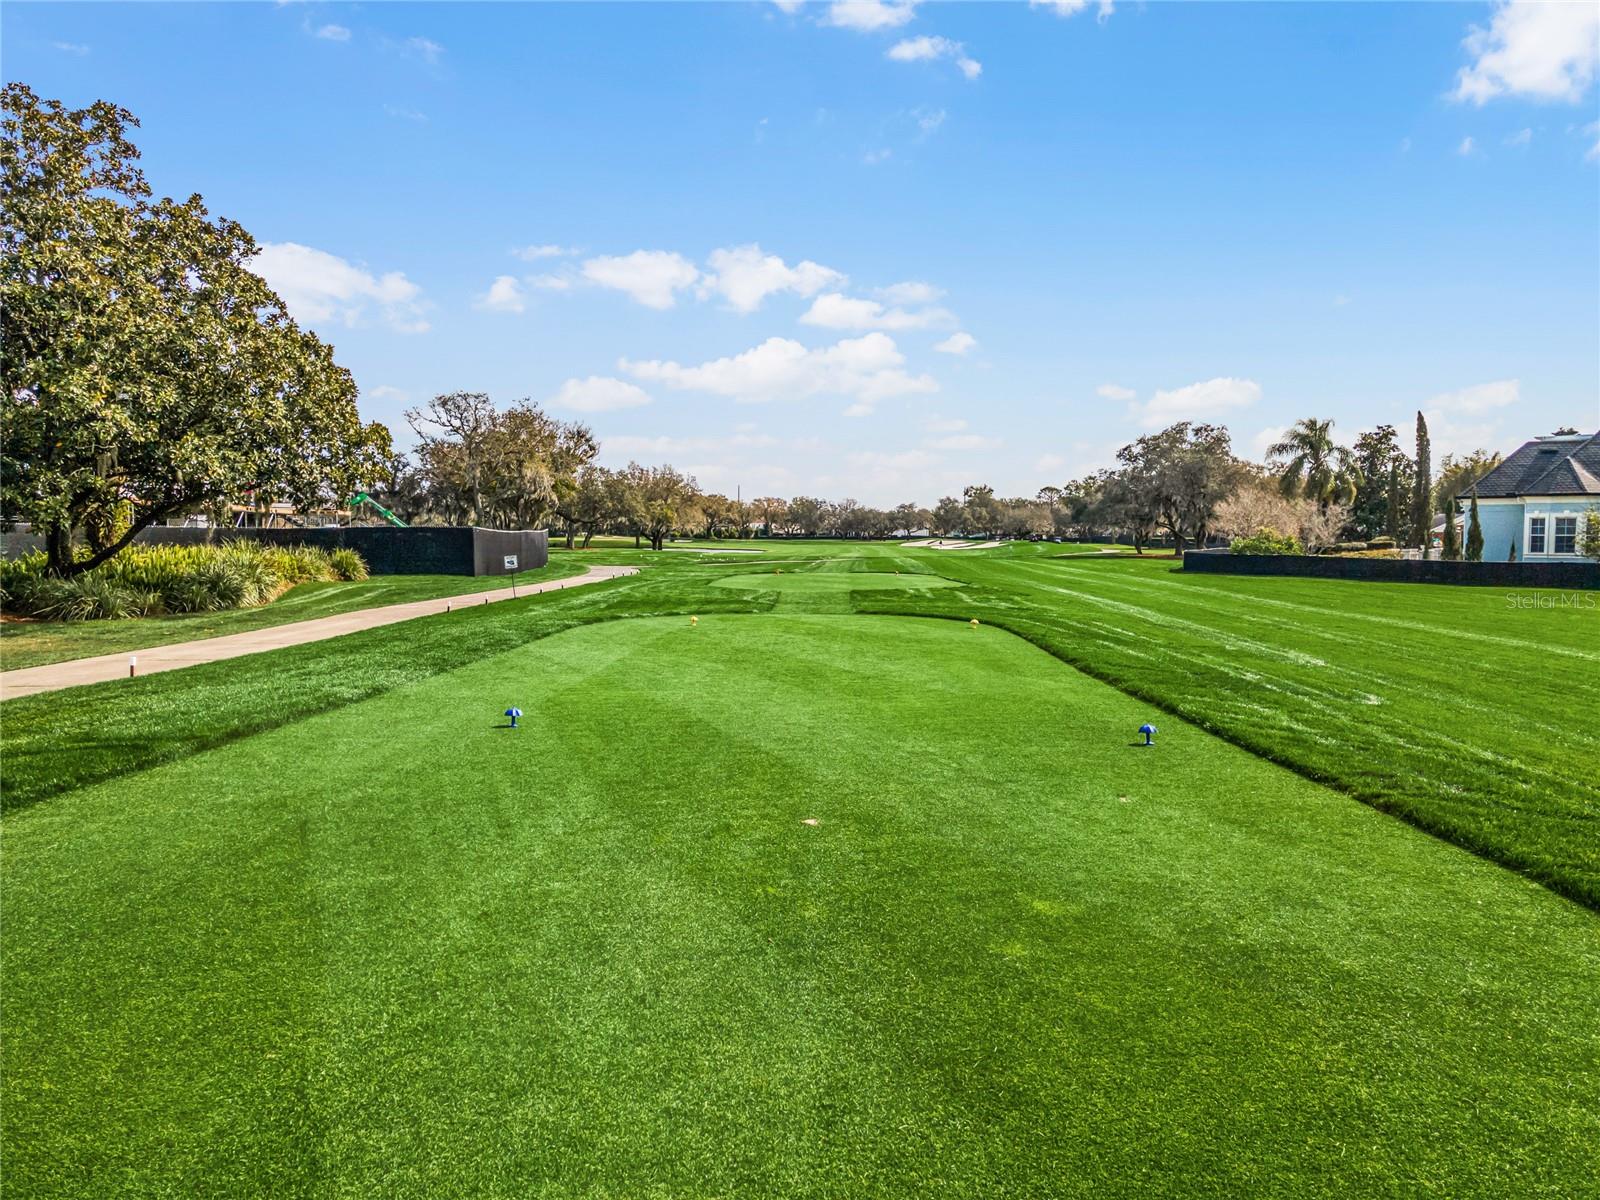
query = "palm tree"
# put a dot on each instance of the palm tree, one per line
(1315, 466)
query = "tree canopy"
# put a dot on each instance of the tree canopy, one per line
(478, 465)
(145, 370)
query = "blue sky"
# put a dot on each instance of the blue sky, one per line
(996, 241)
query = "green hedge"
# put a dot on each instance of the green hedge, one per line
(147, 580)
(1267, 540)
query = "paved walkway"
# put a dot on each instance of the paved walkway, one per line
(104, 667)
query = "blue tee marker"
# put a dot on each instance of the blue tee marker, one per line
(1149, 732)
(513, 713)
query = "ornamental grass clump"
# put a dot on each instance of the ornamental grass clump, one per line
(348, 565)
(146, 580)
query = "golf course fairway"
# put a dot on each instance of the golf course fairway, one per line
(775, 905)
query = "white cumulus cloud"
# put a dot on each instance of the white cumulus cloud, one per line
(833, 310)
(535, 253)
(957, 343)
(1113, 391)
(867, 369)
(652, 277)
(504, 295)
(1533, 48)
(869, 16)
(930, 49)
(600, 393)
(319, 287)
(1071, 8)
(912, 291)
(1198, 402)
(744, 277)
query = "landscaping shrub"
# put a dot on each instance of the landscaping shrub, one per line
(295, 564)
(1267, 540)
(84, 598)
(15, 574)
(1381, 543)
(145, 580)
(347, 564)
(1344, 549)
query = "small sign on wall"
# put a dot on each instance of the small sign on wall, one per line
(511, 562)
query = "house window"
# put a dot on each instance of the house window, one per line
(1566, 535)
(1535, 535)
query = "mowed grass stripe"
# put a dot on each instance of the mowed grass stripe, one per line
(1423, 682)
(1419, 680)
(1445, 749)
(602, 955)
(1439, 660)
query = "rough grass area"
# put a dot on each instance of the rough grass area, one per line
(399, 949)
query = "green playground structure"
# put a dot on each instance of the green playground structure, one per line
(363, 498)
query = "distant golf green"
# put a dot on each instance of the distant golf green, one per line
(831, 582)
(773, 905)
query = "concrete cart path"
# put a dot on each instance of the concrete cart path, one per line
(103, 667)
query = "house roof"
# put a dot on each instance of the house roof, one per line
(1558, 465)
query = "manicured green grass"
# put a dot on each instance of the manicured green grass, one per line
(830, 582)
(1456, 708)
(34, 643)
(397, 949)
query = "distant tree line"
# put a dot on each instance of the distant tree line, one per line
(146, 372)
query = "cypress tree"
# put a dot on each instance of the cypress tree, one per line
(1422, 491)
(1394, 504)
(1474, 533)
(1452, 540)
(1512, 557)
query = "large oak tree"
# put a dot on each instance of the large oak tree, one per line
(144, 369)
